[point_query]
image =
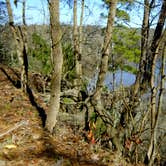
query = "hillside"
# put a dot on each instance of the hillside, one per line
(23, 141)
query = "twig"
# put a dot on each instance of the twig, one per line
(16, 126)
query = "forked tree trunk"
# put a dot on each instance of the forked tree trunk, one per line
(57, 59)
(19, 34)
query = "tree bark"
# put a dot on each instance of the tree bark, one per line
(57, 61)
(80, 28)
(19, 34)
(106, 49)
(77, 55)
(156, 107)
(144, 46)
(23, 12)
(96, 97)
(155, 43)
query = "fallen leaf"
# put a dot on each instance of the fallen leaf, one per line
(10, 146)
(95, 157)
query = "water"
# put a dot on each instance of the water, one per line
(121, 78)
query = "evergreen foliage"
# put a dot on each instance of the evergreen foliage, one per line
(41, 51)
(68, 61)
(126, 49)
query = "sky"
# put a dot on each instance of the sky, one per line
(37, 13)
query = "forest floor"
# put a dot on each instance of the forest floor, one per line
(24, 142)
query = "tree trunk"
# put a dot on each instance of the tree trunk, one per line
(155, 43)
(19, 34)
(144, 46)
(150, 73)
(106, 49)
(77, 55)
(156, 108)
(23, 31)
(57, 59)
(23, 12)
(96, 97)
(80, 29)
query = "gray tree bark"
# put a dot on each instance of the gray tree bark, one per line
(106, 49)
(57, 61)
(155, 43)
(19, 34)
(77, 55)
(144, 46)
(156, 104)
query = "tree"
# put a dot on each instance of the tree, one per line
(105, 50)
(153, 54)
(80, 28)
(148, 49)
(4, 44)
(96, 97)
(76, 47)
(19, 34)
(155, 42)
(125, 50)
(144, 45)
(57, 61)
(41, 51)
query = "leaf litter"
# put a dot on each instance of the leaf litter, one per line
(24, 142)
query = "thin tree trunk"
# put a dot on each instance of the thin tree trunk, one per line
(106, 49)
(21, 45)
(144, 46)
(96, 97)
(155, 42)
(113, 72)
(57, 59)
(150, 69)
(78, 67)
(23, 31)
(23, 12)
(80, 29)
(153, 109)
(156, 108)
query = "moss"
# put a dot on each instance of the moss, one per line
(68, 101)
(100, 128)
